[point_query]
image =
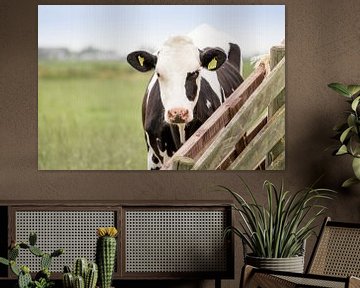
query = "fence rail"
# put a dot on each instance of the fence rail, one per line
(247, 132)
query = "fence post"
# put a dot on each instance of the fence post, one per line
(276, 54)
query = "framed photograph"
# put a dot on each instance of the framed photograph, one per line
(161, 87)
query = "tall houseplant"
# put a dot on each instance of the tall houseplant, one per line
(348, 132)
(275, 234)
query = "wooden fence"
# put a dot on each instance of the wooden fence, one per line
(247, 132)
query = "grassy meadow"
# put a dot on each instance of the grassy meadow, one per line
(89, 115)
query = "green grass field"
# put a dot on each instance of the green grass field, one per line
(89, 116)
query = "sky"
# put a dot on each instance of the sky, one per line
(125, 28)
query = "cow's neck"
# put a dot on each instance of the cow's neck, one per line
(178, 134)
(181, 128)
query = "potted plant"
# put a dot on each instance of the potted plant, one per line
(348, 132)
(42, 278)
(275, 234)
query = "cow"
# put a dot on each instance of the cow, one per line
(189, 83)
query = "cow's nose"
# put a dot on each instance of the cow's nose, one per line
(178, 115)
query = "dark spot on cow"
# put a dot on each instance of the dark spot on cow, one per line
(156, 168)
(190, 85)
(155, 159)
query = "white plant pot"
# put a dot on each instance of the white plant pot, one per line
(291, 264)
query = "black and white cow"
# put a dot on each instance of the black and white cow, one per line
(188, 85)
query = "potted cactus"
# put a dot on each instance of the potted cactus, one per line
(42, 278)
(84, 275)
(106, 254)
(348, 132)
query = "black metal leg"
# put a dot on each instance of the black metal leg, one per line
(217, 283)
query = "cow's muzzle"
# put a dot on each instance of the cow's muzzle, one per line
(178, 115)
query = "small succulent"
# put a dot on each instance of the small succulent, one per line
(348, 132)
(42, 278)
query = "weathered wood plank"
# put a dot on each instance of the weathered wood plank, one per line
(278, 163)
(182, 163)
(240, 146)
(256, 151)
(244, 119)
(219, 119)
(276, 54)
(277, 149)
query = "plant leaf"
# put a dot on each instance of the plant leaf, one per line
(351, 120)
(349, 182)
(355, 103)
(4, 261)
(340, 88)
(354, 145)
(342, 150)
(345, 134)
(353, 89)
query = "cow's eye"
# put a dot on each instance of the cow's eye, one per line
(193, 75)
(158, 74)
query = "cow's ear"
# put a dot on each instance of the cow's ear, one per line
(212, 58)
(142, 60)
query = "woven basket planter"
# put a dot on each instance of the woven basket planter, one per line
(291, 264)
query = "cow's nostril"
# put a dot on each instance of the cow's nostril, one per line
(178, 115)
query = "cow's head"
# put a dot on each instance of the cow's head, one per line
(178, 66)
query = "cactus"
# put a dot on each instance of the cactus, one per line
(91, 276)
(13, 253)
(79, 282)
(68, 280)
(14, 268)
(24, 277)
(45, 261)
(42, 278)
(43, 274)
(67, 269)
(32, 238)
(36, 251)
(105, 254)
(57, 252)
(80, 267)
(88, 273)
(4, 261)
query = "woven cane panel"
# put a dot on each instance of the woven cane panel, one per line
(175, 241)
(75, 231)
(306, 282)
(338, 253)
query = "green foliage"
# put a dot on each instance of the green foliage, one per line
(42, 278)
(279, 229)
(42, 283)
(348, 132)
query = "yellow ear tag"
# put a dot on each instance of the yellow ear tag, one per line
(141, 60)
(212, 64)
